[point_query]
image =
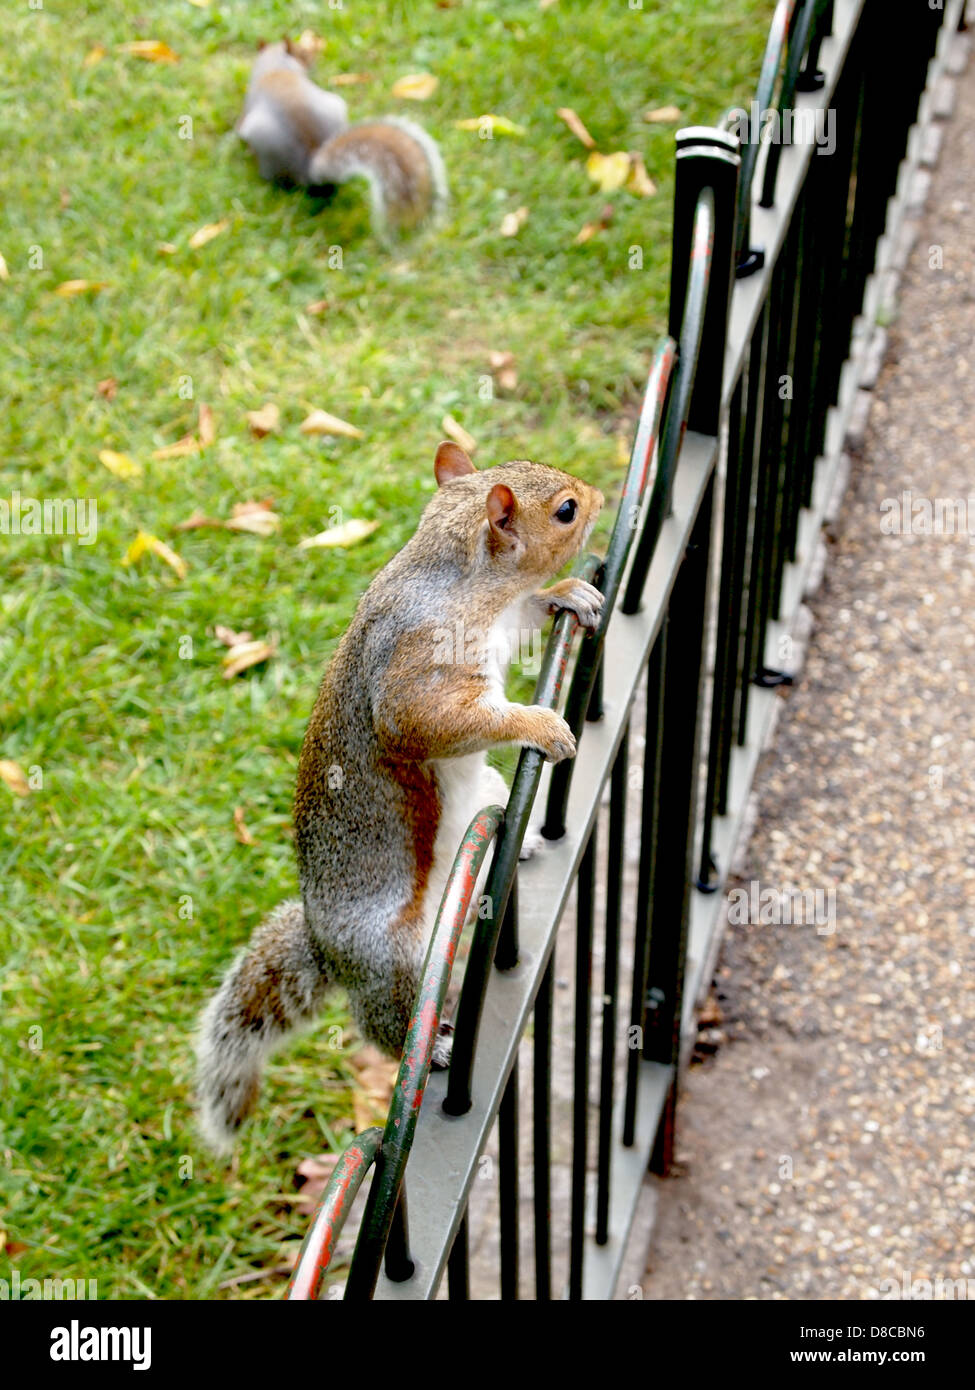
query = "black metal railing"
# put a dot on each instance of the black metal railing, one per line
(773, 247)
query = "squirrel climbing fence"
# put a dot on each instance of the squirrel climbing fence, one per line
(773, 281)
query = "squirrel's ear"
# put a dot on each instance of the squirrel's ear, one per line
(451, 462)
(501, 507)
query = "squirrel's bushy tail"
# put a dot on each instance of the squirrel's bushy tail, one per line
(401, 162)
(275, 986)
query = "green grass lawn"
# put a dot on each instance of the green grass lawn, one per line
(125, 889)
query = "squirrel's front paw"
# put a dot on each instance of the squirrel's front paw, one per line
(579, 597)
(554, 738)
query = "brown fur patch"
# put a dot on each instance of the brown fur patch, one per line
(423, 816)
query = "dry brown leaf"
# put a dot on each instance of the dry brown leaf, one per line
(228, 637)
(639, 181)
(241, 833)
(120, 464)
(318, 306)
(320, 422)
(503, 368)
(265, 420)
(566, 113)
(589, 229)
(259, 522)
(189, 444)
(662, 115)
(108, 388)
(349, 533)
(4, 272)
(375, 1080)
(204, 234)
(69, 289)
(349, 79)
(512, 222)
(93, 56)
(208, 429)
(12, 774)
(197, 520)
(152, 50)
(145, 542)
(454, 430)
(608, 171)
(317, 1173)
(244, 655)
(418, 86)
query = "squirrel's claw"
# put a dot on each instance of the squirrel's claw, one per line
(578, 597)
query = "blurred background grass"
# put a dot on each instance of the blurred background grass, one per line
(124, 888)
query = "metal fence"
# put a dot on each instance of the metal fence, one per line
(774, 243)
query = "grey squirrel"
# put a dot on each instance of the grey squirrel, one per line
(392, 768)
(301, 133)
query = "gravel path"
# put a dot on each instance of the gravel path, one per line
(828, 1144)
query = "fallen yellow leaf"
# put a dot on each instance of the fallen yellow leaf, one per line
(455, 431)
(167, 248)
(265, 420)
(146, 542)
(120, 464)
(204, 234)
(152, 50)
(349, 79)
(93, 56)
(181, 449)
(512, 222)
(608, 171)
(320, 422)
(244, 655)
(308, 43)
(566, 113)
(662, 115)
(69, 288)
(490, 124)
(4, 272)
(417, 87)
(639, 181)
(12, 774)
(349, 533)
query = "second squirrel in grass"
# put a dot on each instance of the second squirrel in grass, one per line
(392, 768)
(301, 133)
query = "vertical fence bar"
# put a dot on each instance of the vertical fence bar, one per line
(614, 900)
(508, 1185)
(585, 893)
(649, 820)
(678, 789)
(542, 1133)
(458, 1266)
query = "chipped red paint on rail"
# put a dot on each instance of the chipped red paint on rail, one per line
(336, 1201)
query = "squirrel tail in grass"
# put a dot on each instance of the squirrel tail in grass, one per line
(401, 163)
(277, 985)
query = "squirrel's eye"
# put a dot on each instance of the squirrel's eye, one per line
(567, 511)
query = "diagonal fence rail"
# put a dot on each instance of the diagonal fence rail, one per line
(774, 247)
